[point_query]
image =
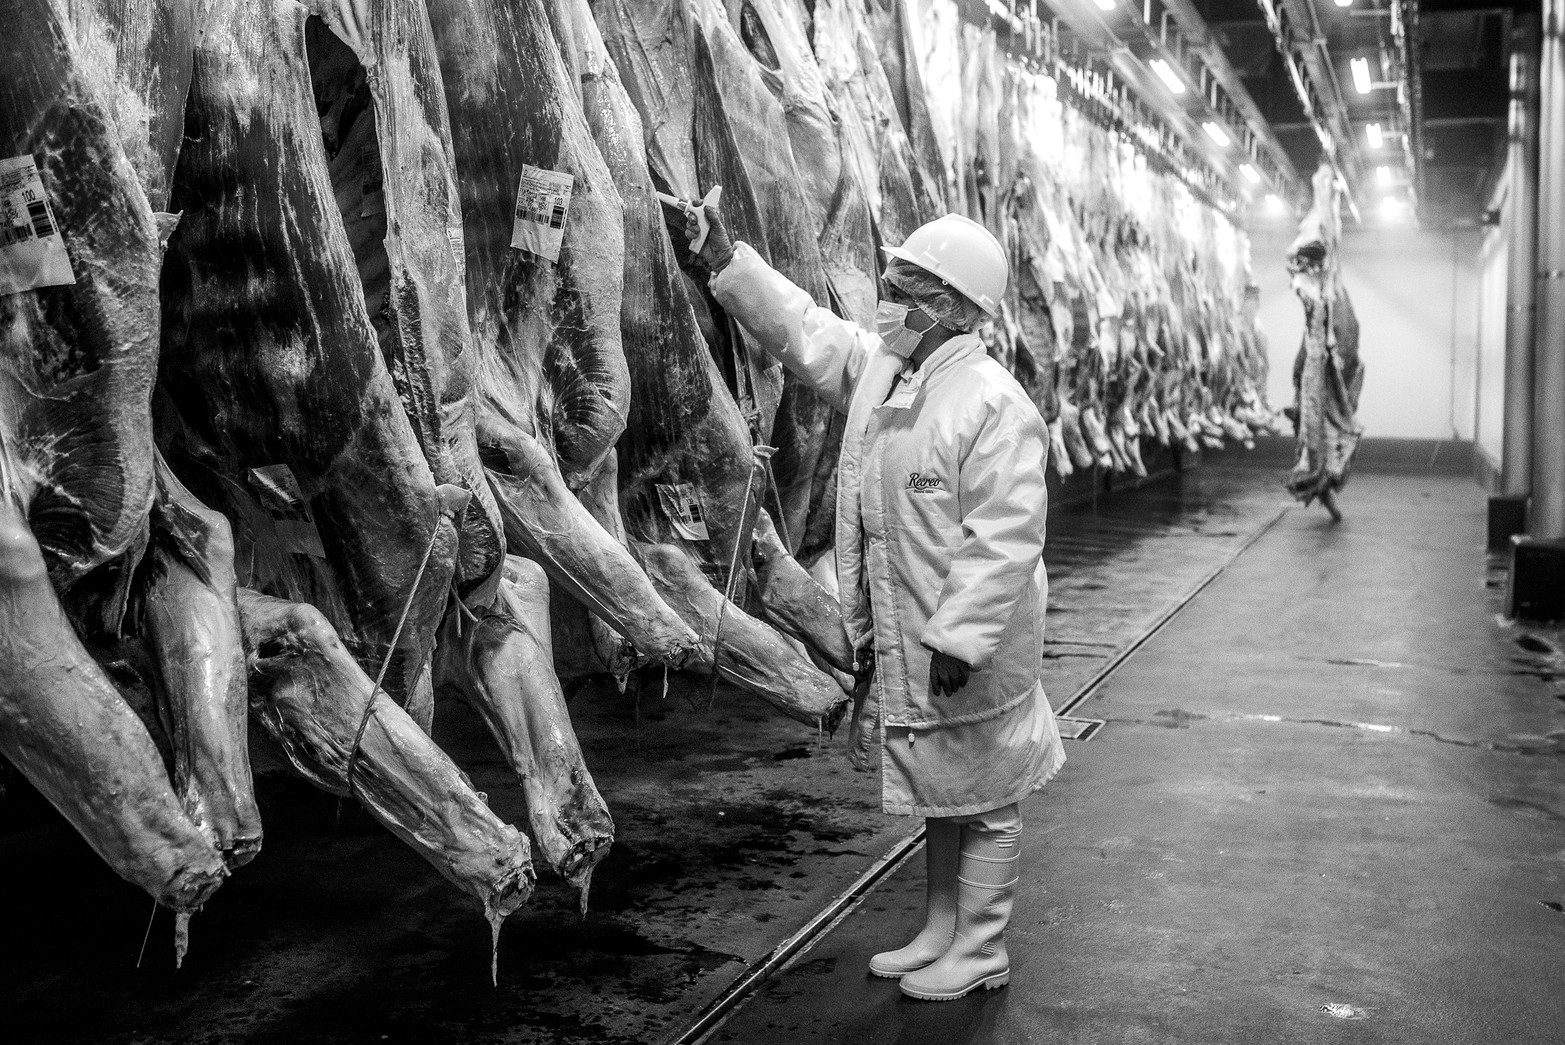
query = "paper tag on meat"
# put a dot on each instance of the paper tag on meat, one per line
(683, 508)
(281, 496)
(542, 200)
(32, 251)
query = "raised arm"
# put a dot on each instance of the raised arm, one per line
(823, 350)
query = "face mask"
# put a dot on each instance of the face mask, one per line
(895, 334)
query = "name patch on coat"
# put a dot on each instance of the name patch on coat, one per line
(920, 482)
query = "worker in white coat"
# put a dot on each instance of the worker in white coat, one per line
(939, 541)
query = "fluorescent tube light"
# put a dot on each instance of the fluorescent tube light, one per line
(1214, 130)
(1376, 139)
(1383, 175)
(1361, 79)
(1170, 78)
(1251, 175)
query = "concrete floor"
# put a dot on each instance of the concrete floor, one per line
(1328, 806)
(1175, 889)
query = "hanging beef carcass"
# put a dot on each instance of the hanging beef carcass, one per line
(662, 53)
(687, 441)
(89, 103)
(796, 421)
(377, 83)
(278, 407)
(835, 199)
(281, 411)
(866, 101)
(891, 27)
(545, 313)
(833, 190)
(1327, 374)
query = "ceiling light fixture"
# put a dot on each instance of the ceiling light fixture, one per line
(1376, 139)
(1273, 202)
(1361, 79)
(1383, 176)
(1344, 3)
(1214, 130)
(1251, 175)
(1166, 73)
(1106, 5)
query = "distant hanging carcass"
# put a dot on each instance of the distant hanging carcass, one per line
(1327, 374)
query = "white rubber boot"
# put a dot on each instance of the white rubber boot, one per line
(986, 889)
(942, 853)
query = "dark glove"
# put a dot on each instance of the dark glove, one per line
(946, 673)
(718, 249)
(864, 664)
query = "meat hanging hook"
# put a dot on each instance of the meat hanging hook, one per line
(453, 499)
(763, 455)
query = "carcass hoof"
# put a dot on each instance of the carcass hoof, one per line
(510, 892)
(241, 852)
(191, 887)
(833, 718)
(579, 863)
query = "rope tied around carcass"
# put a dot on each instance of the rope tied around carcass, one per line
(742, 534)
(453, 501)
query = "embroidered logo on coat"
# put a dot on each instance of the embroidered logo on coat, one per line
(920, 483)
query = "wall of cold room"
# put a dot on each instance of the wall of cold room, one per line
(1493, 271)
(1416, 294)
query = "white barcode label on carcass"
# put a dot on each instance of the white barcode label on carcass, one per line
(32, 251)
(542, 200)
(281, 496)
(683, 508)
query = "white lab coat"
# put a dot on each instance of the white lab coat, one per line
(939, 527)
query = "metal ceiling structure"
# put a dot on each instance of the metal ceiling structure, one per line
(1405, 99)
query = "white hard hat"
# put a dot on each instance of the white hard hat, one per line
(964, 254)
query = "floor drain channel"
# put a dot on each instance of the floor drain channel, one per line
(1123, 655)
(800, 942)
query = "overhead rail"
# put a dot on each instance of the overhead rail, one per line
(1103, 78)
(1299, 39)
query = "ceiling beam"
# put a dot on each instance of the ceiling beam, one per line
(1200, 39)
(1299, 38)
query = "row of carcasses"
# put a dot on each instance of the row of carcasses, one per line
(373, 372)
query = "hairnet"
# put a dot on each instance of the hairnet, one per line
(942, 302)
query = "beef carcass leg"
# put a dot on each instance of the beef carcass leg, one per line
(189, 619)
(545, 522)
(309, 697)
(792, 600)
(503, 665)
(66, 728)
(753, 656)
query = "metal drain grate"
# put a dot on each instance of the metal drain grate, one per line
(1079, 728)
